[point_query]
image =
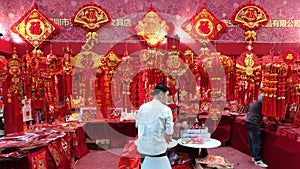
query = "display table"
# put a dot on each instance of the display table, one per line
(60, 153)
(277, 151)
(198, 150)
(117, 132)
(211, 143)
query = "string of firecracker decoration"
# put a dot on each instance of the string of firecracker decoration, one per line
(279, 83)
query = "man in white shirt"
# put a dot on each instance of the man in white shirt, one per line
(155, 125)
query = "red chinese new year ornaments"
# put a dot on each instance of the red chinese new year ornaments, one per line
(248, 72)
(91, 17)
(250, 16)
(204, 24)
(289, 56)
(152, 28)
(35, 27)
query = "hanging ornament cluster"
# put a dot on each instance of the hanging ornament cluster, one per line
(91, 17)
(291, 58)
(212, 71)
(250, 16)
(280, 83)
(248, 77)
(105, 72)
(38, 78)
(35, 27)
(152, 28)
(14, 66)
(274, 74)
(204, 25)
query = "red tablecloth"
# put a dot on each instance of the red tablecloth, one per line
(117, 132)
(80, 149)
(59, 154)
(22, 163)
(278, 152)
(239, 137)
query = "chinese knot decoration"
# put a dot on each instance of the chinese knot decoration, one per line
(204, 24)
(248, 72)
(91, 17)
(152, 28)
(250, 17)
(35, 27)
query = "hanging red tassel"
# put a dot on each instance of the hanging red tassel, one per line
(69, 85)
(264, 105)
(52, 88)
(282, 107)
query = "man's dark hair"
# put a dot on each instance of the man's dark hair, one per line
(160, 88)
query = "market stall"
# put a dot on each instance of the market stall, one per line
(48, 146)
(97, 64)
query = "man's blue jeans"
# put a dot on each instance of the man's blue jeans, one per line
(254, 140)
